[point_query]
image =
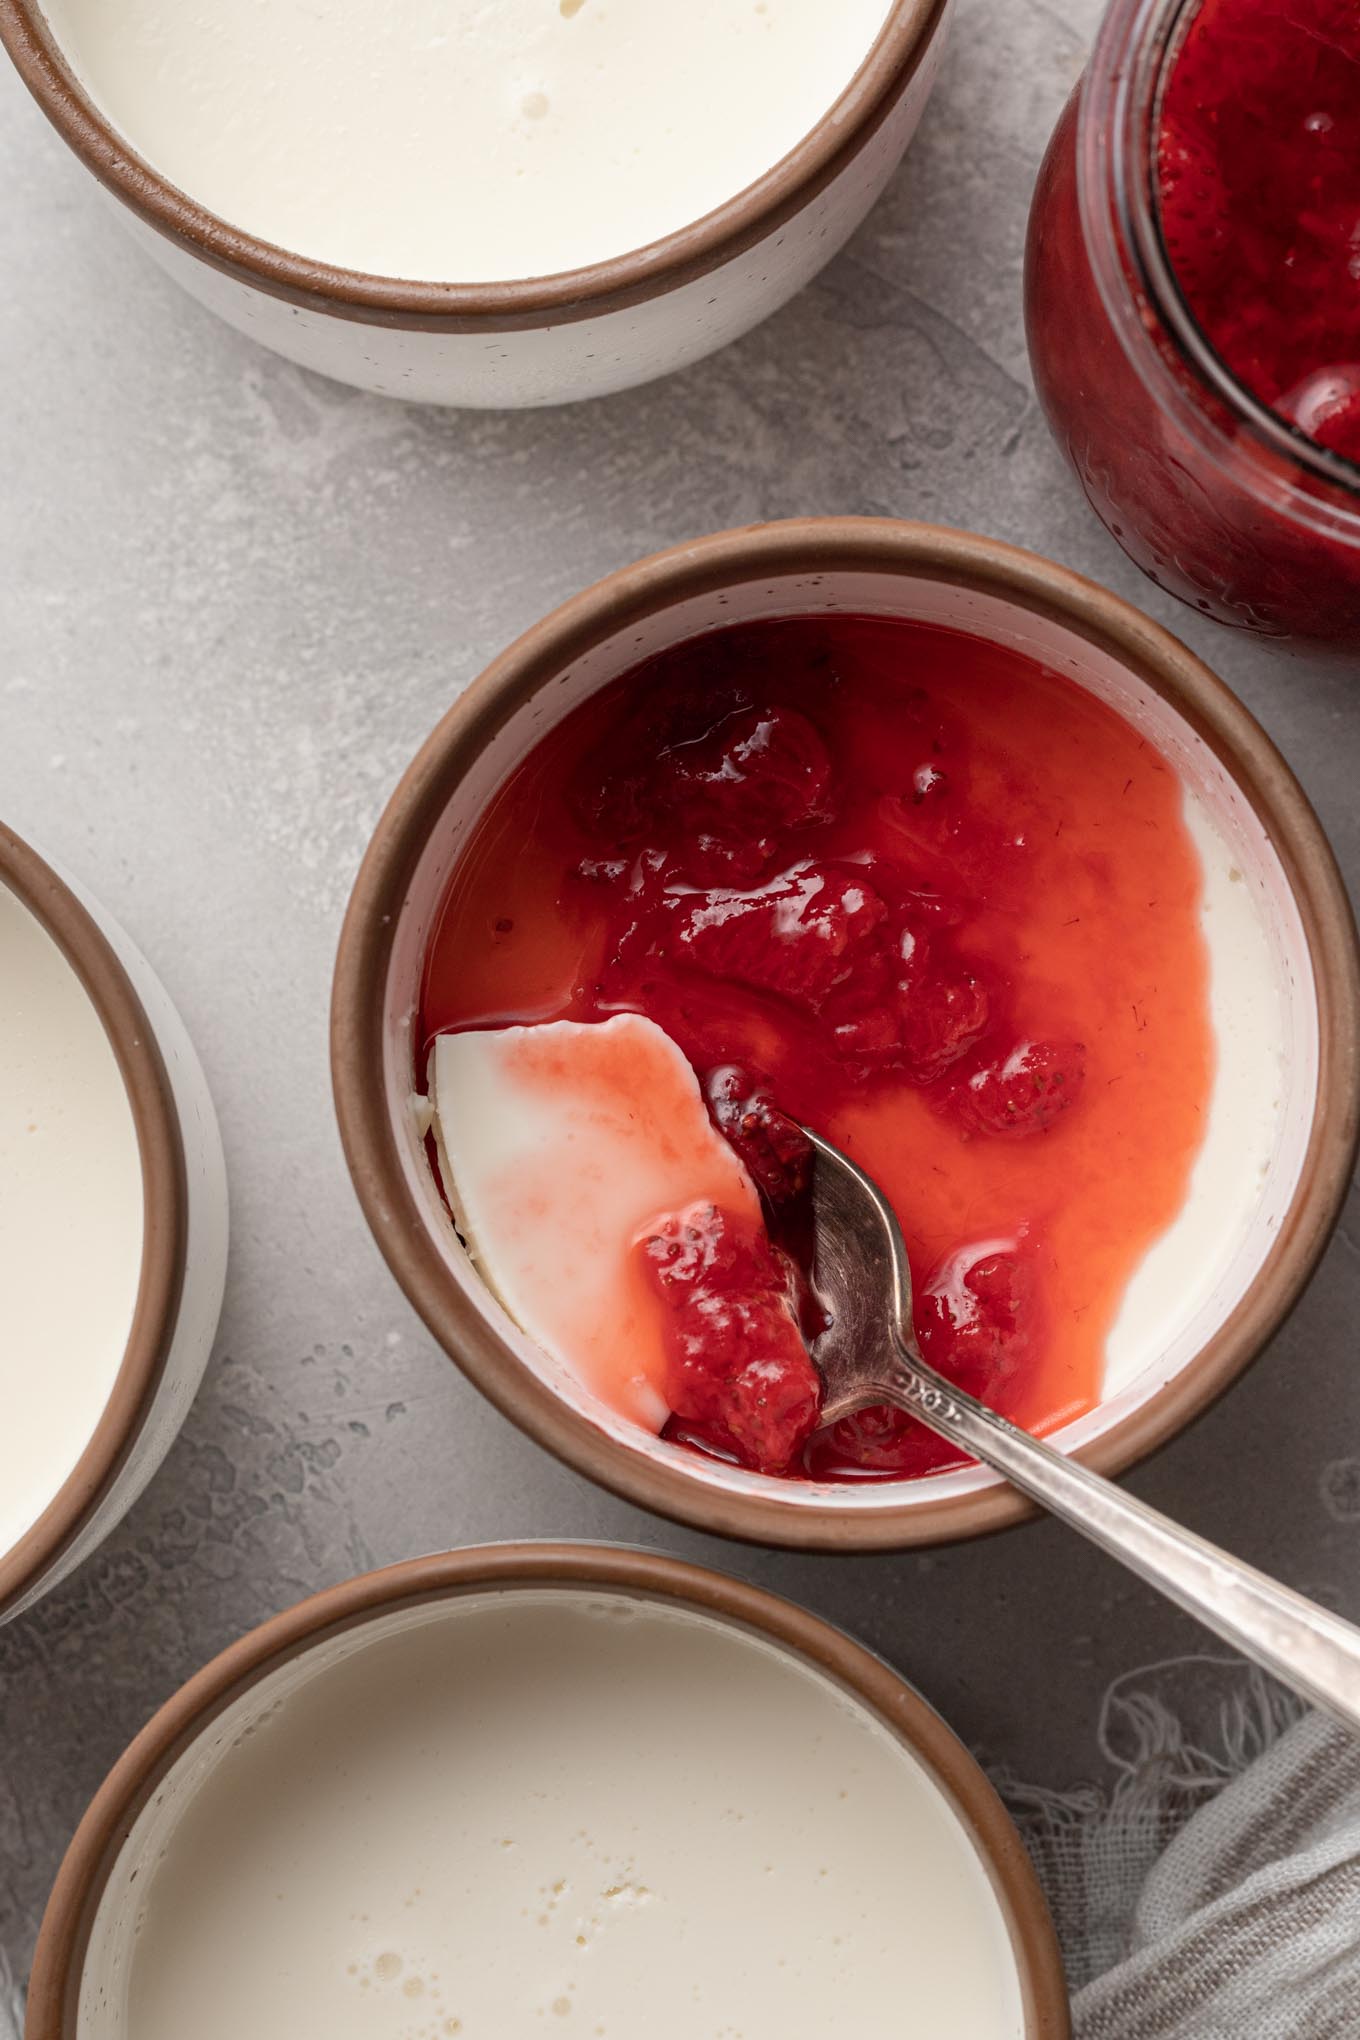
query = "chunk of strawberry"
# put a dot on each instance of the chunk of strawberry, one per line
(1024, 1092)
(1333, 23)
(872, 1037)
(739, 1370)
(1194, 209)
(977, 1317)
(727, 787)
(868, 1016)
(979, 1321)
(922, 1017)
(1326, 406)
(800, 936)
(775, 1151)
(762, 769)
(880, 1440)
(942, 1019)
(712, 860)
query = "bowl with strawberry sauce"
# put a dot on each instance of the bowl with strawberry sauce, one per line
(906, 837)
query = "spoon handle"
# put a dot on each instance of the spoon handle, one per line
(1307, 1647)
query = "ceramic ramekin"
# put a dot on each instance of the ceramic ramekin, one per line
(944, 577)
(545, 340)
(86, 1933)
(184, 1234)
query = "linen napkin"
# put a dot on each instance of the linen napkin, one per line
(11, 2004)
(1248, 1927)
(1215, 1895)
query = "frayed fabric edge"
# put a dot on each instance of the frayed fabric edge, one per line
(11, 2003)
(1175, 1733)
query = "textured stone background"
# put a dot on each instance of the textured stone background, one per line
(233, 599)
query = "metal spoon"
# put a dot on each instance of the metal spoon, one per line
(868, 1354)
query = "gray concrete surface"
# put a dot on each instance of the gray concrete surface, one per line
(233, 599)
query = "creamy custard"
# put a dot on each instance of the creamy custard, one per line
(558, 1146)
(464, 140)
(70, 1219)
(1178, 1276)
(546, 1813)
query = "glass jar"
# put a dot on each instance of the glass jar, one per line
(1212, 494)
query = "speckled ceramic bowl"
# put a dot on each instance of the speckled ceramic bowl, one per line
(543, 340)
(79, 1983)
(184, 1231)
(1012, 599)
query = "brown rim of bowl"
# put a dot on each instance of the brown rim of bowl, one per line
(811, 547)
(164, 1216)
(892, 62)
(54, 1991)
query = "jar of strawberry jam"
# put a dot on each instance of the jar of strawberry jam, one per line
(1193, 304)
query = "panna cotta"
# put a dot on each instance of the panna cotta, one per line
(454, 140)
(71, 1219)
(944, 905)
(557, 1143)
(549, 1811)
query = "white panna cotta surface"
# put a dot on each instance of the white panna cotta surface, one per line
(70, 1219)
(1242, 1130)
(552, 1194)
(464, 141)
(558, 1147)
(555, 1813)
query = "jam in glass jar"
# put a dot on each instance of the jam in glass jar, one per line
(1193, 304)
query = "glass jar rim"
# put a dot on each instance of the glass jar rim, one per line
(1122, 94)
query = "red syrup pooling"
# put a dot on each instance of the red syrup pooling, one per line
(910, 889)
(1259, 175)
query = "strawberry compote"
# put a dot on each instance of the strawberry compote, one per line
(1259, 180)
(917, 892)
(1193, 310)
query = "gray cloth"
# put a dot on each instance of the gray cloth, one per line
(1248, 1928)
(1215, 1894)
(11, 2005)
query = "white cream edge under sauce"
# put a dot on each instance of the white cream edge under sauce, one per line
(1182, 1269)
(464, 140)
(70, 1219)
(550, 1814)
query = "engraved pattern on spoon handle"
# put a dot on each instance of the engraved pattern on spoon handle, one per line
(1307, 1647)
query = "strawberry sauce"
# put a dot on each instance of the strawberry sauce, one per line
(1259, 174)
(912, 890)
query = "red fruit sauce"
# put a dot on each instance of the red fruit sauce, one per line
(912, 890)
(1259, 173)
